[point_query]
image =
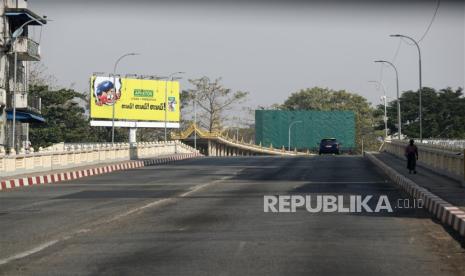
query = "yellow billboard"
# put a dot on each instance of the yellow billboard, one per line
(134, 99)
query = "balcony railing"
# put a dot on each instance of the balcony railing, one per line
(27, 49)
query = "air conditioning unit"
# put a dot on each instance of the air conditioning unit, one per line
(21, 100)
(2, 97)
(16, 4)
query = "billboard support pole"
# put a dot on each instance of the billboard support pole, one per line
(132, 135)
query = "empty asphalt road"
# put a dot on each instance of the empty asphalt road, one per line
(205, 216)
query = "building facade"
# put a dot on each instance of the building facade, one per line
(18, 49)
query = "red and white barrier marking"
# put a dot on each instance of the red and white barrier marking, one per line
(71, 175)
(447, 213)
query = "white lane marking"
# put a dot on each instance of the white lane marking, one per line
(346, 182)
(28, 252)
(111, 219)
(165, 200)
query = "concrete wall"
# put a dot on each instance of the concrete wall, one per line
(446, 162)
(61, 157)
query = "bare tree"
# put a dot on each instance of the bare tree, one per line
(38, 75)
(213, 99)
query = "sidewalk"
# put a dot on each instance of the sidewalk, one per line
(64, 170)
(28, 179)
(448, 189)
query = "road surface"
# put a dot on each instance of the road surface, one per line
(205, 217)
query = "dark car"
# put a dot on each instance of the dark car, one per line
(329, 145)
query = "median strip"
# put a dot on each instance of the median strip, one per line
(445, 212)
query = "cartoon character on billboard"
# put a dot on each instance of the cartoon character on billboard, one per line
(171, 104)
(105, 90)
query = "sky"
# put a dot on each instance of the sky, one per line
(268, 48)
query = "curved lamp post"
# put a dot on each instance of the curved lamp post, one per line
(170, 78)
(290, 127)
(114, 102)
(14, 36)
(385, 106)
(399, 122)
(419, 73)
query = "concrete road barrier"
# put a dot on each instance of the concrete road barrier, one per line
(76, 174)
(447, 213)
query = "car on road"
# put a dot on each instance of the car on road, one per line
(329, 145)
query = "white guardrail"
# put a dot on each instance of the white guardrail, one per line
(446, 161)
(447, 144)
(62, 156)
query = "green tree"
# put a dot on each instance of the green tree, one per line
(325, 99)
(443, 113)
(65, 119)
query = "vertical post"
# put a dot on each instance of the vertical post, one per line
(289, 139)
(114, 87)
(27, 137)
(14, 97)
(420, 79)
(113, 112)
(195, 124)
(420, 92)
(385, 116)
(132, 135)
(399, 121)
(166, 106)
(363, 152)
(463, 181)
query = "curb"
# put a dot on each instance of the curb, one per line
(447, 213)
(71, 175)
(169, 159)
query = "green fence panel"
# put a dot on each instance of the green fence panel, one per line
(272, 127)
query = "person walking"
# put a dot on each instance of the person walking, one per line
(411, 152)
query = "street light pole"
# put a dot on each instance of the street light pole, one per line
(14, 98)
(114, 100)
(170, 78)
(420, 80)
(385, 106)
(399, 121)
(14, 36)
(195, 122)
(289, 141)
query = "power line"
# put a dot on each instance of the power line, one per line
(438, 3)
(431, 22)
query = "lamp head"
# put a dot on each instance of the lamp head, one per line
(395, 35)
(17, 32)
